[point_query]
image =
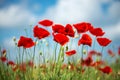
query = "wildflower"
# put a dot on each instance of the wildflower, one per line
(85, 40)
(119, 51)
(70, 53)
(64, 66)
(22, 67)
(61, 38)
(106, 70)
(40, 32)
(25, 42)
(4, 52)
(88, 61)
(69, 30)
(46, 23)
(82, 27)
(30, 63)
(93, 52)
(15, 67)
(110, 52)
(103, 41)
(97, 31)
(58, 28)
(71, 67)
(97, 63)
(11, 63)
(3, 59)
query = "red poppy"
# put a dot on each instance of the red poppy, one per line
(25, 42)
(4, 51)
(82, 27)
(110, 52)
(70, 53)
(71, 67)
(3, 59)
(97, 63)
(15, 67)
(88, 61)
(64, 66)
(106, 70)
(119, 51)
(61, 38)
(40, 32)
(58, 28)
(69, 30)
(85, 40)
(22, 67)
(103, 41)
(93, 52)
(11, 63)
(97, 31)
(30, 63)
(46, 22)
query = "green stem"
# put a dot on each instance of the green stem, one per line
(82, 56)
(23, 55)
(94, 43)
(102, 53)
(34, 50)
(55, 51)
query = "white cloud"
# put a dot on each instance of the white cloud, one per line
(9, 43)
(113, 32)
(15, 16)
(72, 11)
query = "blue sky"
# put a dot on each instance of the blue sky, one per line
(17, 15)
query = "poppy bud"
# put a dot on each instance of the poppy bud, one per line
(40, 53)
(66, 48)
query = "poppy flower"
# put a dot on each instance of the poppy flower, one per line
(30, 63)
(70, 53)
(46, 22)
(64, 66)
(85, 40)
(82, 27)
(71, 67)
(22, 67)
(119, 51)
(103, 41)
(40, 32)
(25, 42)
(93, 52)
(110, 52)
(58, 28)
(15, 67)
(96, 32)
(61, 38)
(88, 61)
(3, 59)
(11, 63)
(106, 70)
(69, 30)
(4, 51)
(97, 63)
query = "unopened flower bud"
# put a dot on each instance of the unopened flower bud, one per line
(14, 39)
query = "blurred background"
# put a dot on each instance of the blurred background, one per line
(16, 16)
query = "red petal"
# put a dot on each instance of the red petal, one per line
(46, 22)
(85, 40)
(61, 38)
(70, 53)
(103, 41)
(40, 32)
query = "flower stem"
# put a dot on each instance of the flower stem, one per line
(34, 50)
